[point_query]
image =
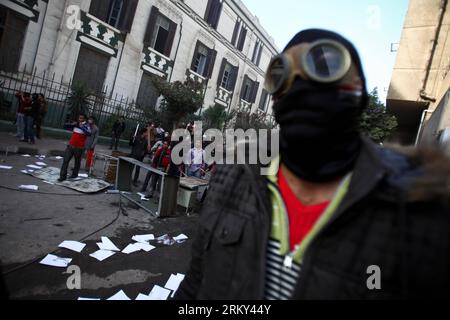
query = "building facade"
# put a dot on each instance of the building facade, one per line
(117, 46)
(419, 89)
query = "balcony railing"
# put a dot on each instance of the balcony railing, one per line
(245, 105)
(224, 96)
(24, 7)
(156, 62)
(99, 34)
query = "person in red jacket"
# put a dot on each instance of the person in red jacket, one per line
(161, 161)
(81, 130)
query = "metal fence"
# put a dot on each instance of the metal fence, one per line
(106, 109)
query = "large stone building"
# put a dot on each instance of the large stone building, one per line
(419, 90)
(117, 46)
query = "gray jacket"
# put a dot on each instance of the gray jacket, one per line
(91, 141)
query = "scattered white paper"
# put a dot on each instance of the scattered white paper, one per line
(88, 299)
(32, 166)
(101, 255)
(131, 248)
(138, 246)
(6, 167)
(166, 240)
(55, 261)
(143, 196)
(107, 244)
(143, 297)
(41, 164)
(73, 245)
(29, 187)
(119, 296)
(30, 171)
(83, 175)
(159, 293)
(24, 171)
(59, 158)
(26, 156)
(48, 182)
(145, 246)
(181, 237)
(174, 282)
(144, 238)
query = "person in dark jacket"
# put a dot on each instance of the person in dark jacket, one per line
(81, 131)
(117, 130)
(31, 114)
(338, 217)
(138, 151)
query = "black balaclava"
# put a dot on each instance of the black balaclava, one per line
(319, 137)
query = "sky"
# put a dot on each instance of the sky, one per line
(372, 26)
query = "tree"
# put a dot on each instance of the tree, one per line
(245, 120)
(216, 117)
(375, 121)
(78, 100)
(179, 99)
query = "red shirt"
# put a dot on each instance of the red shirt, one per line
(301, 218)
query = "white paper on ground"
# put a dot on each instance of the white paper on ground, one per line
(55, 261)
(181, 237)
(159, 293)
(26, 155)
(41, 164)
(143, 196)
(144, 238)
(107, 244)
(174, 282)
(101, 255)
(143, 297)
(145, 246)
(88, 299)
(24, 171)
(59, 158)
(73, 245)
(119, 296)
(83, 175)
(131, 248)
(6, 167)
(29, 187)
(32, 166)
(48, 182)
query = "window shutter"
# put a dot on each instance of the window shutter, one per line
(151, 25)
(235, 32)
(208, 10)
(217, 10)
(170, 38)
(254, 92)
(100, 9)
(127, 16)
(234, 75)
(263, 100)
(222, 69)
(195, 54)
(211, 61)
(258, 60)
(241, 41)
(243, 86)
(255, 51)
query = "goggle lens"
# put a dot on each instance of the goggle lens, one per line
(325, 61)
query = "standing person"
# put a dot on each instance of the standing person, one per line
(161, 161)
(117, 130)
(151, 136)
(81, 130)
(338, 216)
(196, 161)
(138, 151)
(43, 108)
(24, 103)
(31, 114)
(91, 142)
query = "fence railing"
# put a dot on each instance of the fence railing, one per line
(106, 109)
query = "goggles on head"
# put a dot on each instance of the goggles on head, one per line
(324, 61)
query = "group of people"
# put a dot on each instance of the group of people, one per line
(155, 142)
(30, 116)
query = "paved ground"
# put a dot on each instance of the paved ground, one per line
(33, 224)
